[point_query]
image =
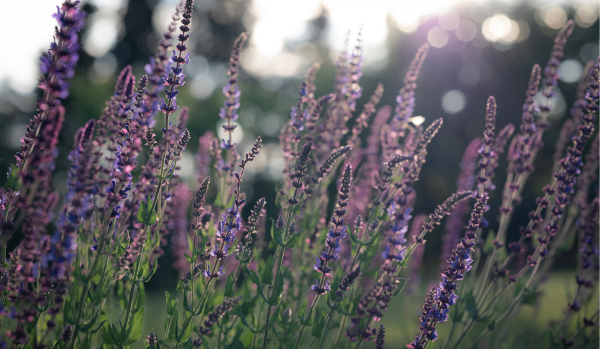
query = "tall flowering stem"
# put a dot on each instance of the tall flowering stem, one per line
(229, 113)
(438, 302)
(557, 197)
(36, 158)
(588, 255)
(285, 225)
(465, 181)
(372, 305)
(406, 96)
(336, 232)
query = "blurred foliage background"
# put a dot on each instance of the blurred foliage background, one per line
(479, 48)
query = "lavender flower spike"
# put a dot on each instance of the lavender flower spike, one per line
(380, 341)
(551, 69)
(438, 301)
(486, 151)
(176, 80)
(218, 313)
(232, 91)
(335, 234)
(465, 181)
(406, 96)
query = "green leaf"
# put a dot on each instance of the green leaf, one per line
(137, 326)
(275, 298)
(229, 286)
(121, 295)
(186, 306)
(86, 327)
(266, 272)
(245, 321)
(293, 241)
(13, 180)
(173, 328)
(255, 280)
(186, 333)
(106, 336)
(491, 325)
(149, 276)
(236, 344)
(318, 325)
(502, 254)
(530, 297)
(371, 251)
(488, 245)
(188, 258)
(144, 215)
(354, 237)
(471, 306)
(302, 309)
(308, 321)
(170, 304)
(277, 234)
(456, 315)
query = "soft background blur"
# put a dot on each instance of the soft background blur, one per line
(479, 48)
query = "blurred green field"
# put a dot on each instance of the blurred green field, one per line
(529, 330)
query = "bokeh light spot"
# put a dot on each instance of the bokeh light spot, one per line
(437, 37)
(449, 20)
(466, 31)
(454, 101)
(500, 28)
(570, 71)
(587, 14)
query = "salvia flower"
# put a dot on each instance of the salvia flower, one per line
(465, 181)
(176, 79)
(336, 232)
(551, 70)
(152, 340)
(355, 71)
(329, 163)
(232, 91)
(347, 282)
(406, 96)
(380, 341)
(588, 254)
(218, 313)
(438, 301)
(444, 209)
(487, 151)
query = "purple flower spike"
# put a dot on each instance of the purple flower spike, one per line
(335, 233)
(231, 91)
(406, 96)
(438, 301)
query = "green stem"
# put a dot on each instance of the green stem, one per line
(267, 322)
(132, 292)
(279, 263)
(327, 322)
(171, 320)
(220, 334)
(262, 307)
(312, 307)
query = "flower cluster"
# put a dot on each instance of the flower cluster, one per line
(439, 300)
(60, 277)
(335, 234)
(232, 91)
